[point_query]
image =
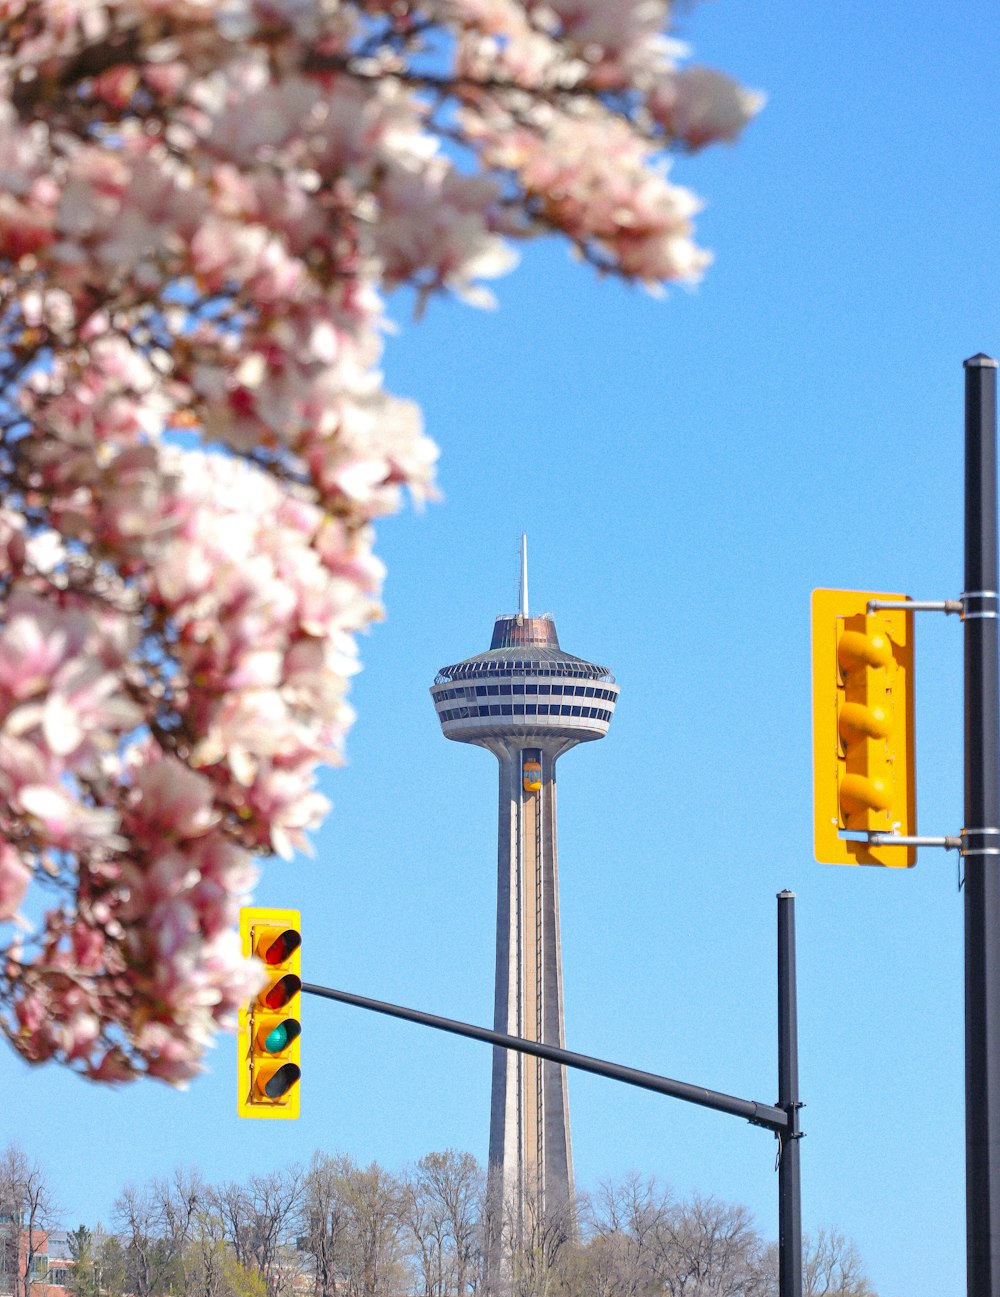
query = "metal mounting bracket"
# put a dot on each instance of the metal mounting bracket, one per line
(921, 605)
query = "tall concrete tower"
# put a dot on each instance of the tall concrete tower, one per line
(527, 702)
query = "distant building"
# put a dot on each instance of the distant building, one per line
(528, 703)
(48, 1251)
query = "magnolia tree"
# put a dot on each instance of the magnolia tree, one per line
(203, 204)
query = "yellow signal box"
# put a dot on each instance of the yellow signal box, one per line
(267, 1060)
(863, 728)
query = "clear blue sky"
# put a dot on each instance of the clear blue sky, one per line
(687, 472)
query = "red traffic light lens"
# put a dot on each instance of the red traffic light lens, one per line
(278, 995)
(283, 945)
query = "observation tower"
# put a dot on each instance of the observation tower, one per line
(527, 702)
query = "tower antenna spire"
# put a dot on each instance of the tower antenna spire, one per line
(524, 574)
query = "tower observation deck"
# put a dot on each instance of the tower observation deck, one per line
(527, 702)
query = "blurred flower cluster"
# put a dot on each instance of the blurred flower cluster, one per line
(202, 206)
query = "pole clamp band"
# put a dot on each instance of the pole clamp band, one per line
(984, 604)
(981, 842)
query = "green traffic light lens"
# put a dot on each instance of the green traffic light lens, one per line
(277, 1040)
(281, 1036)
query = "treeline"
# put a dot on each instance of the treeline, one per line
(338, 1229)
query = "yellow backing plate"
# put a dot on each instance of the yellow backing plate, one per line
(829, 607)
(251, 917)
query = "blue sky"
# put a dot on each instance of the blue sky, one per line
(687, 471)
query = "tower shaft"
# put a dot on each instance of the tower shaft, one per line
(530, 1148)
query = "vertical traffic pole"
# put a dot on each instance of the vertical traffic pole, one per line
(789, 1179)
(981, 835)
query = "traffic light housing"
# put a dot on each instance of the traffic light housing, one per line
(863, 732)
(269, 1028)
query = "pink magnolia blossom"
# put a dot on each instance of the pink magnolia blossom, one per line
(15, 875)
(700, 106)
(202, 209)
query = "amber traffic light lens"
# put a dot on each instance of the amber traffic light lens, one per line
(282, 1081)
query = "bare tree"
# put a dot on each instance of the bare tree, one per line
(27, 1211)
(258, 1219)
(707, 1248)
(494, 1242)
(831, 1267)
(325, 1235)
(206, 1255)
(640, 1242)
(177, 1203)
(210, 1265)
(442, 1209)
(540, 1244)
(606, 1266)
(626, 1223)
(425, 1228)
(374, 1200)
(137, 1218)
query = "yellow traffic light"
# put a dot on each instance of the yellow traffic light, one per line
(863, 733)
(267, 1061)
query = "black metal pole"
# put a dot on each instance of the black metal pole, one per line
(789, 1178)
(981, 834)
